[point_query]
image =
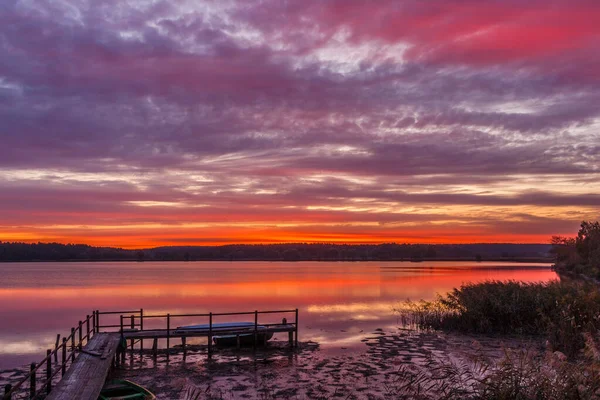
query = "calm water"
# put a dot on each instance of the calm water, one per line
(339, 303)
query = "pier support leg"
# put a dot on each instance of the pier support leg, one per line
(123, 347)
(168, 335)
(155, 348)
(184, 348)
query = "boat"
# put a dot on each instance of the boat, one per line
(246, 339)
(121, 389)
(245, 331)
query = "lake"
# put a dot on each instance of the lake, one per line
(339, 302)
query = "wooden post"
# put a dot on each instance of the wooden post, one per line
(296, 340)
(87, 327)
(121, 323)
(32, 383)
(290, 333)
(132, 327)
(56, 348)
(255, 327)
(155, 347)
(48, 371)
(64, 357)
(7, 389)
(183, 345)
(80, 335)
(94, 320)
(238, 344)
(141, 329)
(122, 348)
(168, 333)
(210, 339)
(72, 344)
(97, 321)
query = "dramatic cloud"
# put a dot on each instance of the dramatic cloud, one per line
(146, 123)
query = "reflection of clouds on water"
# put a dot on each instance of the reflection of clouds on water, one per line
(348, 340)
(351, 308)
(21, 346)
(338, 302)
(365, 317)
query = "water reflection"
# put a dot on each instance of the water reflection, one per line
(339, 303)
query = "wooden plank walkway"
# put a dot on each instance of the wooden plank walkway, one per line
(86, 376)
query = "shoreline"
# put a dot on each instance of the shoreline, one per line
(465, 259)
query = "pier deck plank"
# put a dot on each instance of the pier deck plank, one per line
(86, 376)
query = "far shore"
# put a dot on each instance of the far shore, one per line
(463, 259)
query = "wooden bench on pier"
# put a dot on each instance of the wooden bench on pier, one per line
(87, 374)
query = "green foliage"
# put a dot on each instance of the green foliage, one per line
(561, 311)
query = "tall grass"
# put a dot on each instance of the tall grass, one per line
(520, 375)
(562, 311)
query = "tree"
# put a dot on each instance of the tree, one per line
(564, 250)
(588, 243)
(581, 254)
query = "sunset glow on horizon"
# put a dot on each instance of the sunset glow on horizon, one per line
(150, 123)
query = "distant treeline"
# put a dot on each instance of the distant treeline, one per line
(276, 252)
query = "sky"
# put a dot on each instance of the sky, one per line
(147, 123)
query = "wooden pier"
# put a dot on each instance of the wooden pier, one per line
(95, 346)
(87, 374)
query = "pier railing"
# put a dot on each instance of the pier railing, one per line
(45, 374)
(134, 324)
(42, 375)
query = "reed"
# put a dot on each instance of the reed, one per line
(520, 375)
(561, 311)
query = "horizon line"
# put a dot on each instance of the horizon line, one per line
(275, 244)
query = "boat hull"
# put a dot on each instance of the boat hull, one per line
(125, 390)
(246, 339)
(245, 331)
